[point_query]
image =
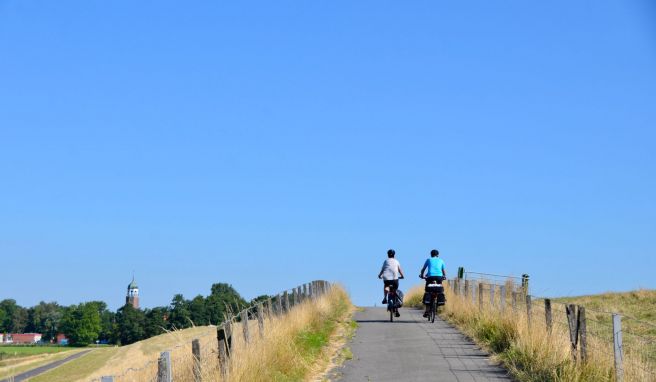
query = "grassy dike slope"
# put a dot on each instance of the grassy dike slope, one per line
(299, 346)
(639, 304)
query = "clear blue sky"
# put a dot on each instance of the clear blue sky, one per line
(266, 144)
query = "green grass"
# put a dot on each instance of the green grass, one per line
(18, 365)
(311, 341)
(12, 351)
(79, 368)
(639, 304)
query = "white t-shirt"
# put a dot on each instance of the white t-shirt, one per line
(391, 269)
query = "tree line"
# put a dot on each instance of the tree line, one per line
(92, 321)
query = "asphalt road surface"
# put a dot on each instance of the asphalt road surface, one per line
(42, 369)
(413, 349)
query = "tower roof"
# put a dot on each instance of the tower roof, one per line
(133, 284)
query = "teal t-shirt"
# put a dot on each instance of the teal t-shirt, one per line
(434, 266)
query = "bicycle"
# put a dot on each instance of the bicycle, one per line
(434, 290)
(392, 306)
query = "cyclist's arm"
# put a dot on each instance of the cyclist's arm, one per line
(443, 271)
(381, 271)
(421, 274)
(401, 272)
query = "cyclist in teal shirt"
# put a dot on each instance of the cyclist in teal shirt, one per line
(436, 270)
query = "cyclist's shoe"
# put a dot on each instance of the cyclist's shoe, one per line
(425, 314)
(397, 314)
(385, 300)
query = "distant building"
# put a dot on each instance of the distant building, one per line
(133, 294)
(61, 339)
(25, 338)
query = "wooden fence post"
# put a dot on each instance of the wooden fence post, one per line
(514, 301)
(492, 287)
(270, 309)
(278, 305)
(528, 311)
(466, 294)
(502, 298)
(573, 328)
(617, 347)
(299, 293)
(480, 296)
(583, 335)
(164, 367)
(285, 296)
(305, 291)
(547, 315)
(260, 319)
(244, 325)
(195, 351)
(224, 349)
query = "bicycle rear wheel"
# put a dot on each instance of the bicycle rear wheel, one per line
(432, 311)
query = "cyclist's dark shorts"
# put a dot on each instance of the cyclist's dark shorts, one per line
(392, 283)
(434, 278)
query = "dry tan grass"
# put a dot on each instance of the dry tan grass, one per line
(295, 347)
(288, 351)
(529, 351)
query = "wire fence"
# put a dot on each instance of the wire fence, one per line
(208, 355)
(626, 346)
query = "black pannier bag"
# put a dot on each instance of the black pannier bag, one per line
(435, 288)
(441, 299)
(427, 298)
(399, 298)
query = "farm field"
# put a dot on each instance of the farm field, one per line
(13, 351)
(115, 360)
(16, 359)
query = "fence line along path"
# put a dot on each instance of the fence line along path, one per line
(252, 321)
(603, 338)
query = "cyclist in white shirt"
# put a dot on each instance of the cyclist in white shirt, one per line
(390, 273)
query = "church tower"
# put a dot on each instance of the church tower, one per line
(133, 294)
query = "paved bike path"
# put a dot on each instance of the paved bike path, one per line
(42, 369)
(413, 349)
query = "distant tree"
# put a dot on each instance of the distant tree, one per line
(156, 321)
(81, 323)
(223, 299)
(107, 322)
(130, 324)
(179, 314)
(45, 318)
(198, 311)
(14, 317)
